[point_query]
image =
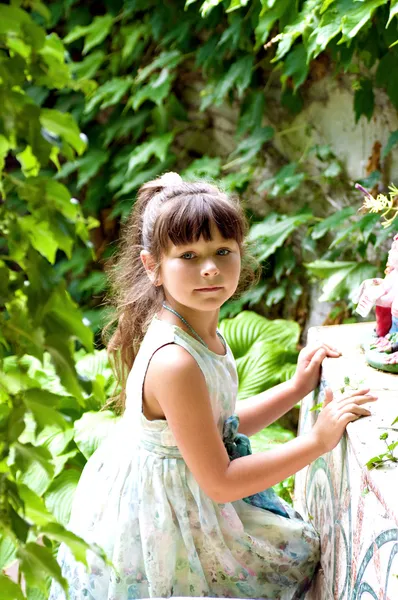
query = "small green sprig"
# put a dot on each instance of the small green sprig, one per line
(378, 461)
(342, 389)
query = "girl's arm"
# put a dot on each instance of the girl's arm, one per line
(178, 385)
(257, 412)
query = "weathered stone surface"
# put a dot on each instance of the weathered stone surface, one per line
(355, 510)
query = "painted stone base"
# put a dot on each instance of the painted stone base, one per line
(355, 510)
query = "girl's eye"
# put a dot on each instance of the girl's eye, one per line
(187, 255)
(225, 251)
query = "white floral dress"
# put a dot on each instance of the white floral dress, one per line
(138, 500)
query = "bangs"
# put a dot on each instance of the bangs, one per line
(184, 220)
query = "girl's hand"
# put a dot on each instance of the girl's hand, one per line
(308, 369)
(336, 414)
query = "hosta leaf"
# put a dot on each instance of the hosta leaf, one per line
(59, 496)
(9, 589)
(259, 369)
(35, 509)
(7, 551)
(243, 331)
(92, 428)
(269, 437)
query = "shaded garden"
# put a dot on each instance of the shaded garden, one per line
(97, 98)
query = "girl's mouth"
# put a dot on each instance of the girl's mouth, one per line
(209, 289)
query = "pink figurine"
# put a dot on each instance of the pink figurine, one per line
(383, 294)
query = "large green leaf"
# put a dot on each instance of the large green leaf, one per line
(59, 496)
(92, 429)
(260, 368)
(9, 589)
(7, 551)
(37, 563)
(265, 351)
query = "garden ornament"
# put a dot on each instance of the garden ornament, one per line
(381, 349)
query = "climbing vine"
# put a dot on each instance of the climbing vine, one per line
(96, 99)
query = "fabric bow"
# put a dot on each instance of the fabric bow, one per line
(237, 445)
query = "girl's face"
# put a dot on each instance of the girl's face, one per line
(201, 275)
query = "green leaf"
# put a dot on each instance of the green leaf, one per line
(295, 66)
(92, 429)
(331, 222)
(29, 163)
(273, 232)
(270, 437)
(156, 91)
(250, 146)
(37, 563)
(8, 551)
(109, 94)
(358, 15)
(90, 164)
(206, 167)
(238, 75)
(64, 125)
(260, 368)
(40, 236)
(364, 100)
(393, 11)
(286, 181)
(63, 314)
(95, 33)
(59, 496)
(342, 279)
(87, 68)
(9, 589)
(35, 509)
(169, 59)
(77, 545)
(249, 327)
(392, 140)
(155, 146)
(270, 14)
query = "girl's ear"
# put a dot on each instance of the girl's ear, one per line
(149, 266)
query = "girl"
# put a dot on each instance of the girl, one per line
(169, 497)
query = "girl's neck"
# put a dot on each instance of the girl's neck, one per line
(203, 322)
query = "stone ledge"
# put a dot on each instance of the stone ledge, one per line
(355, 510)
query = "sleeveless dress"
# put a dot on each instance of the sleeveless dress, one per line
(138, 501)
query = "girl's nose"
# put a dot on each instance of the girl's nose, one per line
(209, 268)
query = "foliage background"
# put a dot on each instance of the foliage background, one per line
(97, 98)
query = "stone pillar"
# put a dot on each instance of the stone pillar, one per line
(354, 509)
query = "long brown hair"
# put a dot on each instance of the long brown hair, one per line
(167, 209)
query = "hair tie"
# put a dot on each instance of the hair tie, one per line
(170, 178)
(151, 212)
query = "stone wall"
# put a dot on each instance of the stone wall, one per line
(354, 509)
